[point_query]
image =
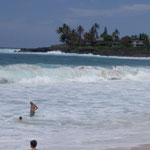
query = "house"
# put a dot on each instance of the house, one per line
(138, 43)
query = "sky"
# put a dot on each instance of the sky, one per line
(33, 23)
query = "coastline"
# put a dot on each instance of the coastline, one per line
(103, 51)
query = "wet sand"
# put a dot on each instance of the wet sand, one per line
(140, 147)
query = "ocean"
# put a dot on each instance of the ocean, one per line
(85, 102)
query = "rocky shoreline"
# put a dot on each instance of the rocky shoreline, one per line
(104, 51)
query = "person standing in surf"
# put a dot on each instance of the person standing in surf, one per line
(33, 108)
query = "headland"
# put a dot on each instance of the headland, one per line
(81, 42)
(95, 50)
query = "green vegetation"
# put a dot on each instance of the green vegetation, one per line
(80, 41)
(78, 37)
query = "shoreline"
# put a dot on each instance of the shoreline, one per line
(102, 51)
(142, 147)
(58, 52)
(138, 147)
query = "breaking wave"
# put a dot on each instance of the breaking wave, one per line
(36, 74)
(16, 51)
(8, 50)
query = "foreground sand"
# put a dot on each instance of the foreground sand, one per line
(140, 147)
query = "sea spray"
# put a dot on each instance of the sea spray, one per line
(84, 102)
(36, 74)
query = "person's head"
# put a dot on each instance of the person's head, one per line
(20, 118)
(31, 103)
(33, 143)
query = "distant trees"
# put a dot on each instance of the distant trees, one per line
(134, 37)
(94, 34)
(104, 34)
(126, 40)
(64, 32)
(74, 37)
(80, 31)
(145, 38)
(115, 35)
(113, 38)
(87, 38)
(142, 36)
(78, 36)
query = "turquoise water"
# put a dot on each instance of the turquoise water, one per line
(85, 101)
(69, 60)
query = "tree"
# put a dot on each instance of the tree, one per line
(64, 32)
(80, 31)
(115, 35)
(87, 38)
(126, 40)
(105, 33)
(73, 38)
(96, 27)
(134, 37)
(108, 38)
(93, 34)
(145, 38)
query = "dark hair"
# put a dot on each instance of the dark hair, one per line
(33, 143)
(20, 118)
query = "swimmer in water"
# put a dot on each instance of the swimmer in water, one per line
(20, 118)
(33, 108)
(33, 145)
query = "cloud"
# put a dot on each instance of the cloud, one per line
(126, 9)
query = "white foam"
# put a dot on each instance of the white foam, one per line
(16, 51)
(37, 74)
(75, 115)
(6, 50)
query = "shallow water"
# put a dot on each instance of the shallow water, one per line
(85, 102)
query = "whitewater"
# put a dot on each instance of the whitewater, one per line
(85, 102)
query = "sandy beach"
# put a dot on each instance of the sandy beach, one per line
(140, 147)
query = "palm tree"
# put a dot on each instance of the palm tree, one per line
(73, 38)
(80, 30)
(94, 34)
(87, 38)
(64, 32)
(115, 35)
(96, 27)
(145, 38)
